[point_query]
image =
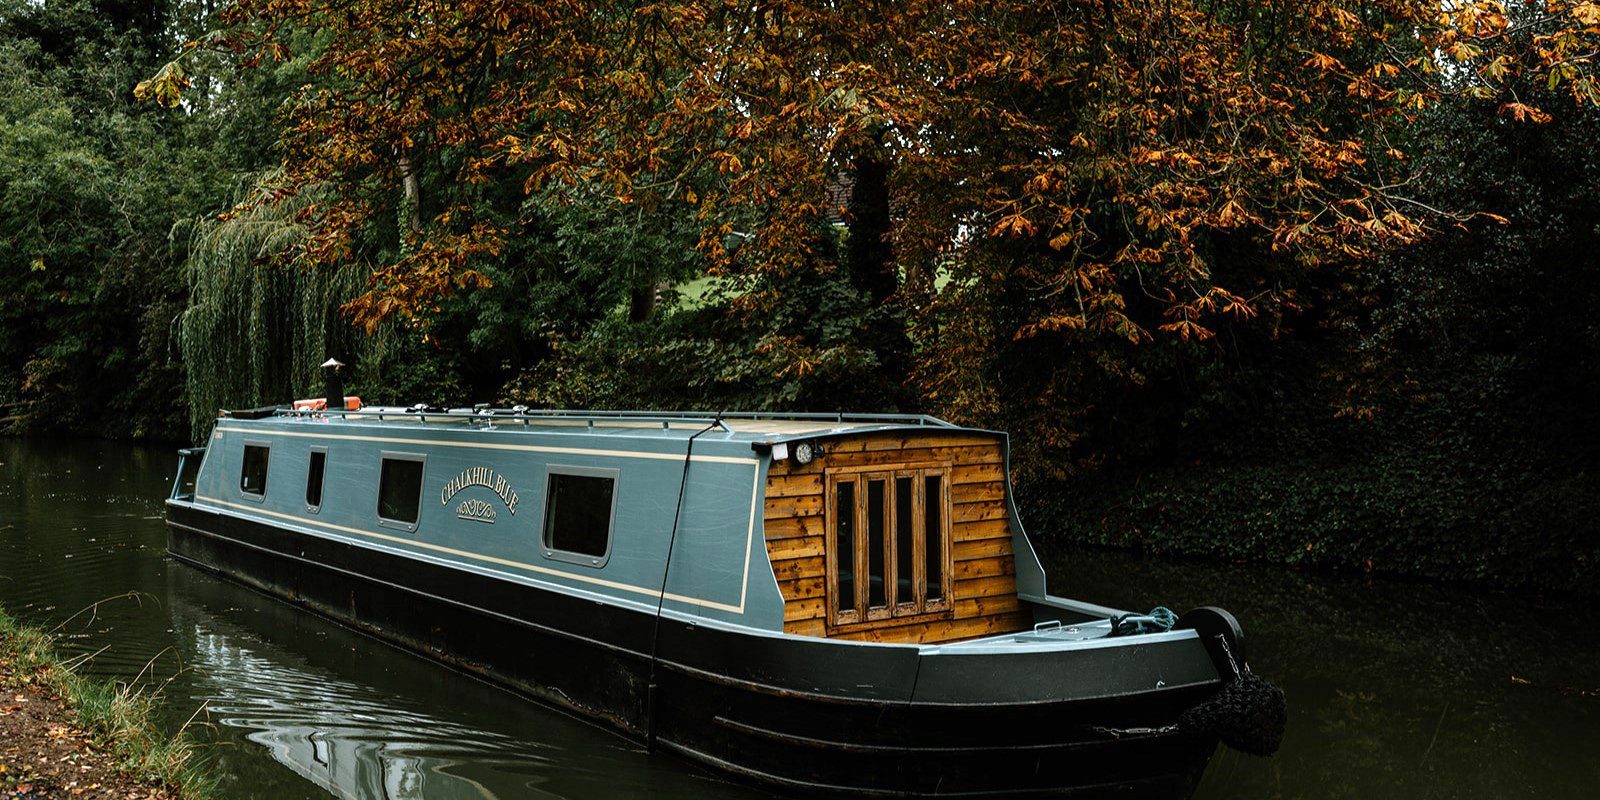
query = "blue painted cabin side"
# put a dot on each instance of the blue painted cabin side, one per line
(719, 566)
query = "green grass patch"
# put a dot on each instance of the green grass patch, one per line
(117, 715)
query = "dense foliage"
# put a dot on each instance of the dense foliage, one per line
(1297, 281)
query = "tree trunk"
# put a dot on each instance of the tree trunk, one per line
(870, 254)
(642, 302)
(870, 258)
(413, 195)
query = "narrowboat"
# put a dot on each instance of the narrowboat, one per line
(821, 603)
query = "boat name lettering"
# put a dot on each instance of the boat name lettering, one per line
(488, 479)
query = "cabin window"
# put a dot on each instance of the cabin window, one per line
(253, 474)
(579, 509)
(400, 490)
(905, 549)
(844, 544)
(877, 590)
(889, 536)
(315, 472)
(935, 539)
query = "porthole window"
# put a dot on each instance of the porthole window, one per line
(579, 510)
(253, 473)
(400, 490)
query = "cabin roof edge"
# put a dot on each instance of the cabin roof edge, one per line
(759, 427)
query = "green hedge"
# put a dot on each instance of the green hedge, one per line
(1507, 515)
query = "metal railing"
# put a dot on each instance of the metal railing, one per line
(528, 416)
(184, 457)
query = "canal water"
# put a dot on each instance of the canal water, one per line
(1396, 689)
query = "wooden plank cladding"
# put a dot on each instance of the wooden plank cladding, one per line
(925, 515)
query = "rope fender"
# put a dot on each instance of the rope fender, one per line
(1248, 713)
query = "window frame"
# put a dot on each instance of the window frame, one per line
(947, 587)
(323, 488)
(266, 482)
(570, 556)
(947, 503)
(377, 496)
(897, 610)
(830, 534)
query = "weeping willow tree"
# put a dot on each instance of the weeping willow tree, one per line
(256, 330)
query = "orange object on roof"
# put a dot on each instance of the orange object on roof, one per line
(351, 403)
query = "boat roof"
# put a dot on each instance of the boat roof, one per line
(734, 426)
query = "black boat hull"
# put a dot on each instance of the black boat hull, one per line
(772, 709)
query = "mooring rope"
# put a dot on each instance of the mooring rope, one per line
(1159, 619)
(661, 598)
(1246, 713)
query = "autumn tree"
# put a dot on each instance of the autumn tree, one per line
(1068, 181)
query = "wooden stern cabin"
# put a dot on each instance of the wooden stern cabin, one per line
(923, 516)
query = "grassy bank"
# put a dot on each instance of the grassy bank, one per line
(67, 734)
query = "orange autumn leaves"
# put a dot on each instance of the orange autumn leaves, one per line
(1134, 170)
(1552, 43)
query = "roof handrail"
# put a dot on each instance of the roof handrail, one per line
(664, 417)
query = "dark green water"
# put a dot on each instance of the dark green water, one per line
(1396, 690)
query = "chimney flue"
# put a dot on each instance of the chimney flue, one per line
(334, 383)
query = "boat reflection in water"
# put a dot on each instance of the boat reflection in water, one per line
(315, 697)
(318, 726)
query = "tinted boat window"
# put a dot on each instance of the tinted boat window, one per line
(314, 473)
(904, 565)
(577, 514)
(253, 477)
(875, 511)
(933, 531)
(400, 490)
(844, 504)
